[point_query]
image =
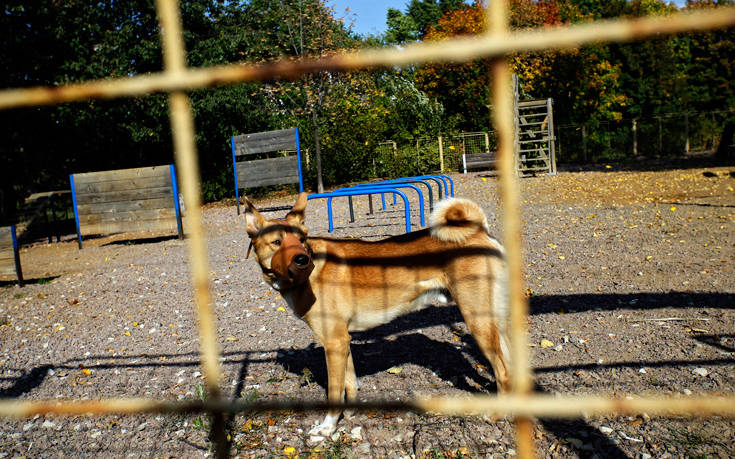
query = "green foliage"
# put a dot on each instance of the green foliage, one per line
(347, 116)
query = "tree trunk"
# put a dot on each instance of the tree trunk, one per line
(318, 153)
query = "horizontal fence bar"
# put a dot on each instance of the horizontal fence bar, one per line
(455, 50)
(535, 405)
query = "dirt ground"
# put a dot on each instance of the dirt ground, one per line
(631, 287)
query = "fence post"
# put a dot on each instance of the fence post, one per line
(584, 142)
(552, 137)
(686, 132)
(441, 155)
(635, 137)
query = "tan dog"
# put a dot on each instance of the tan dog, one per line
(342, 285)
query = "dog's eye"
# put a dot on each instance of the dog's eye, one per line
(276, 242)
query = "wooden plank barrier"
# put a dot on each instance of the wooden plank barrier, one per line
(280, 170)
(126, 200)
(479, 160)
(9, 254)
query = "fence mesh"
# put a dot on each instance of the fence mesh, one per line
(494, 45)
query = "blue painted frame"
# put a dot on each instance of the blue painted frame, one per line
(234, 170)
(76, 211)
(16, 256)
(177, 206)
(353, 192)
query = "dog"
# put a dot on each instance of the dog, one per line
(338, 286)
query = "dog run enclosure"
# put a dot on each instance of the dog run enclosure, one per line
(521, 403)
(126, 200)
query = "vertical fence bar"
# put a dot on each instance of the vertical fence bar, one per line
(182, 125)
(76, 210)
(16, 256)
(503, 117)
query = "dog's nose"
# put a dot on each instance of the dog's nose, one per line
(301, 260)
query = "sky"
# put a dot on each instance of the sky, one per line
(369, 15)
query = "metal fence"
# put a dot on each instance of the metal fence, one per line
(176, 79)
(669, 134)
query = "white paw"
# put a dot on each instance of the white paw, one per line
(326, 428)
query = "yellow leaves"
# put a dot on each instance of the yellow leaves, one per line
(281, 309)
(672, 208)
(289, 451)
(231, 338)
(248, 426)
(394, 370)
(545, 343)
(86, 371)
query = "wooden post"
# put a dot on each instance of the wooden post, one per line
(635, 137)
(552, 137)
(584, 142)
(686, 132)
(441, 155)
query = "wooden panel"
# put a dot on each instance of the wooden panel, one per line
(480, 158)
(262, 142)
(130, 226)
(122, 174)
(114, 186)
(256, 182)
(131, 215)
(6, 237)
(127, 195)
(274, 171)
(125, 206)
(6, 253)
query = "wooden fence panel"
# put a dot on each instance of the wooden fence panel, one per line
(269, 171)
(262, 142)
(10, 254)
(126, 200)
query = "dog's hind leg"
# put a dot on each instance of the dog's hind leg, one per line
(486, 322)
(350, 384)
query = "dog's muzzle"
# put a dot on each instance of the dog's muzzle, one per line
(291, 262)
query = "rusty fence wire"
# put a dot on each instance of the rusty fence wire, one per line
(176, 78)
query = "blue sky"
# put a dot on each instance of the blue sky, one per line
(369, 15)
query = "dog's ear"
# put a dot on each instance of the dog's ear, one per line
(296, 215)
(253, 220)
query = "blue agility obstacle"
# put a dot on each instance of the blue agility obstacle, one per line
(349, 192)
(388, 188)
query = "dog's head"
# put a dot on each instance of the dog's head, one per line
(280, 246)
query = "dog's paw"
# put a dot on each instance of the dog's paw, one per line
(326, 428)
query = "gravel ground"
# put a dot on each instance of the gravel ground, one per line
(630, 279)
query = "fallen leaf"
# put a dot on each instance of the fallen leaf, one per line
(546, 343)
(394, 370)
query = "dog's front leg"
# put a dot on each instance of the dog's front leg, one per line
(337, 350)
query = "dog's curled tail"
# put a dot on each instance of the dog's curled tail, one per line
(455, 220)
